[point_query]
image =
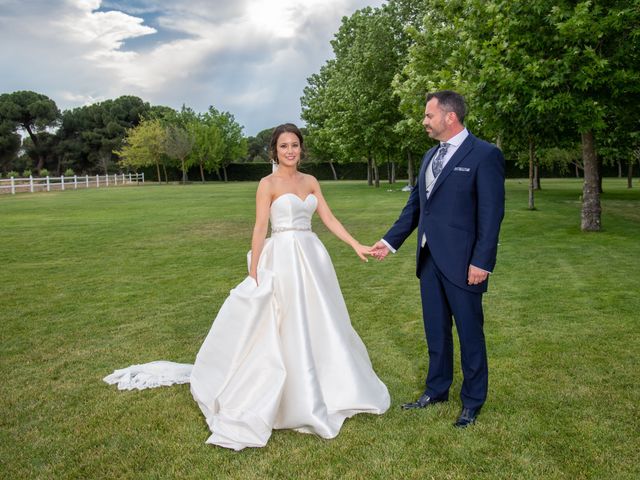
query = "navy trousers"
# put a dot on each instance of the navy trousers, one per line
(441, 300)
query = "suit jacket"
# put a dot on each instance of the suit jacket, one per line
(461, 218)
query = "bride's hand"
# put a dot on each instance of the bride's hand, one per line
(362, 251)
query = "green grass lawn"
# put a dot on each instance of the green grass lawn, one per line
(95, 280)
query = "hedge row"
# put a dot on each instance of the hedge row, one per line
(344, 171)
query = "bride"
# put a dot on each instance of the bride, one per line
(281, 353)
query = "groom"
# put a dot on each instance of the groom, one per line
(457, 207)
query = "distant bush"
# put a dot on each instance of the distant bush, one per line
(13, 174)
(69, 172)
(44, 172)
(26, 173)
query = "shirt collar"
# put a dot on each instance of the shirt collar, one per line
(457, 139)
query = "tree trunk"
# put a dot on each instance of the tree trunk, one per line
(619, 169)
(410, 170)
(36, 143)
(201, 172)
(577, 171)
(104, 160)
(218, 174)
(333, 170)
(393, 172)
(369, 171)
(40, 164)
(591, 209)
(532, 155)
(158, 169)
(376, 174)
(184, 172)
(536, 176)
(630, 174)
(166, 177)
(224, 172)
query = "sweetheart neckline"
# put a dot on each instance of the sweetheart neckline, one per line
(291, 193)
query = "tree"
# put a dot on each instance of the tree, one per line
(596, 74)
(32, 112)
(45, 152)
(144, 146)
(233, 141)
(510, 43)
(258, 146)
(178, 143)
(407, 21)
(318, 147)
(478, 49)
(318, 110)
(178, 140)
(9, 145)
(536, 73)
(349, 105)
(90, 134)
(429, 39)
(208, 146)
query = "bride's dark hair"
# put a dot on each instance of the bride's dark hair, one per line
(279, 130)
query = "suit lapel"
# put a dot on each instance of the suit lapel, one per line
(463, 151)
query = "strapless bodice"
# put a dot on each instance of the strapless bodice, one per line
(291, 213)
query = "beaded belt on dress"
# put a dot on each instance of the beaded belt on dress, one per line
(289, 229)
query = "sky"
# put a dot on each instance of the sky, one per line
(247, 57)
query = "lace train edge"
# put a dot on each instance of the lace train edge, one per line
(160, 373)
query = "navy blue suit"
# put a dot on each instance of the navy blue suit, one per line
(461, 220)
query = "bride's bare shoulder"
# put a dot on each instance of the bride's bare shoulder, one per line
(312, 182)
(267, 180)
(308, 178)
(266, 184)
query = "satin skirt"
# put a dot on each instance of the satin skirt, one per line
(282, 354)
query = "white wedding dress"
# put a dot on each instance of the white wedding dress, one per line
(280, 354)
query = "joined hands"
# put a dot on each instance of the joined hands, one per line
(379, 250)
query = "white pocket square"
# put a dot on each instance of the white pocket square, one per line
(461, 169)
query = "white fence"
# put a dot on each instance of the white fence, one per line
(47, 184)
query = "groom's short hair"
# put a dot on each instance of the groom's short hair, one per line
(450, 101)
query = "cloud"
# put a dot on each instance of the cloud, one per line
(249, 57)
(104, 32)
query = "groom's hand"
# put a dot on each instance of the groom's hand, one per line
(380, 250)
(476, 275)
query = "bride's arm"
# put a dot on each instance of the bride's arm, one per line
(263, 202)
(334, 225)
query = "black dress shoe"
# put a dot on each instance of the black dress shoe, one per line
(467, 417)
(424, 401)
